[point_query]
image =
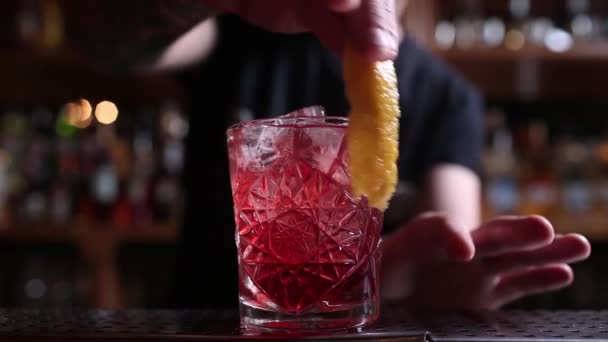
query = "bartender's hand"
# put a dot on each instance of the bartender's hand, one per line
(370, 25)
(432, 263)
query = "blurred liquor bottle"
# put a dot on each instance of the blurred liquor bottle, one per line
(166, 196)
(52, 29)
(140, 182)
(502, 189)
(121, 156)
(39, 24)
(468, 24)
(493, 32)
(573, 165)
(61, 202)
(105, 182)
(167, 193)
(28, 22)
(600, 176)
(515, 37)
(539, 181)
(38, 167)
(105, 189)
(89, 154)
(122, 210)
(13, 130)
(581, 22)
(63, 190)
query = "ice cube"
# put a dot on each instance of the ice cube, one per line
(308, 111)
(261, 146)
(264, 144)
(325, 146)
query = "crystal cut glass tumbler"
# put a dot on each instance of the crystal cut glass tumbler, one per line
(307, 248)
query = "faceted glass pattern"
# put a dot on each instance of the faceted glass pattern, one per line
(307, 248)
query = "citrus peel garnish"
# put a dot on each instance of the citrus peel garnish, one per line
(373, 131)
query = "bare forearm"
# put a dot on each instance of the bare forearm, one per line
(455, 191)
(123, 35)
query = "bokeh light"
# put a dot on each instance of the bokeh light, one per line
(493, 32)
(65, 125)
(71, 113)
(86, 111)
(35, 288)
(85, 116)
(558, 40)
(106, 112)
(602, 152)
(445, 35)
(78, 113)
(515, 40)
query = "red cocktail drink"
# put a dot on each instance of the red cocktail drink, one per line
(307, 248)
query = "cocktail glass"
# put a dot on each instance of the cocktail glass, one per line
(307, 247)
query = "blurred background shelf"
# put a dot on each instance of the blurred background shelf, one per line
(108, 182)
(519, 49)
(54, 77)
(73, 233)
(588, 52)
(534, 72)
(593, 229)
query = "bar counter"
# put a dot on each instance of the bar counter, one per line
(396, 324)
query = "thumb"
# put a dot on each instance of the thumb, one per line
(431, 236)
(427, 239)
(372, 29)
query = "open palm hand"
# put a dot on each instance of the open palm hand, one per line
(432, 263)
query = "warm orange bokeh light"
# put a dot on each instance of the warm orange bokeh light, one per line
(86, 111)
(78, 113)
(86, 114)
(515, 40)
(106, 112)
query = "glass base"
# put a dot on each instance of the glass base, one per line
(352, 317)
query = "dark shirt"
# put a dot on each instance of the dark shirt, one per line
(266, 74)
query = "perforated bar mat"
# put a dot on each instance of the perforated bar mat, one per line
(562, 326)
(141, 325)
(395, 325)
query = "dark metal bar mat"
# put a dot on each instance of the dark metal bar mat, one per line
(562, 326)
(396, 324)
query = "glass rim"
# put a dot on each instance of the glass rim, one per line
(303, 121)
